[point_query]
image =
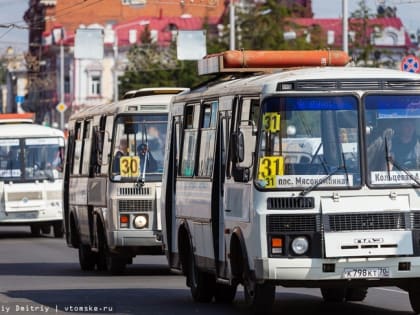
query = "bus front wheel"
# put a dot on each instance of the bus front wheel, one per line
(414, 295)
(259, 297)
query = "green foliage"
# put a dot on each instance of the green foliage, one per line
(362, 46)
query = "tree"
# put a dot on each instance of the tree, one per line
(362, 47)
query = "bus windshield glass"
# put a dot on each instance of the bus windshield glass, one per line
(139, 144)
(309, 143)
(31, 159)
(392, 139)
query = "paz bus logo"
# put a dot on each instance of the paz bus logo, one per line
(410, 63)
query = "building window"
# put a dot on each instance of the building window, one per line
(95, 85)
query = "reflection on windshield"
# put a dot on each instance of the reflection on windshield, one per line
(309, 142)
(139, 145)
(31, 159)
(392, 138)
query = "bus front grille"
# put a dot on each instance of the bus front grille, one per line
(132, 191)
(292, 223)
(415, 219)
(365, 222)
(135, 205)
(293, 203)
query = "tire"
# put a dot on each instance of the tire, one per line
(87, 258)
(224, 294)
(333, 294)
(356, 294)
(58, 230)
(414, 295)
(201, 284)
(46, 229)
(115, 264)
(259, 297)
(35, 230)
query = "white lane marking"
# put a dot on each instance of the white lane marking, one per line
(392, 290)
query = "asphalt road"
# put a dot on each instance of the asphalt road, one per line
(41, 275)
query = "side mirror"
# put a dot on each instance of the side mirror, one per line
(238, 147)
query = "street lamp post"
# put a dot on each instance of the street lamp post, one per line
(345, 27)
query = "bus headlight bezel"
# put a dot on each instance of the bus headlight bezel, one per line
(141, 221)
(300, 245)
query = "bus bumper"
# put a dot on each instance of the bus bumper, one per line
(299, 269)
(134, 238)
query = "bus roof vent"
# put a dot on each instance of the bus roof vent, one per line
(269, 60)
(154, 91)
(403, 84)
(153, 107)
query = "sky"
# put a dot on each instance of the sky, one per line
(407, 10)
(12, 11)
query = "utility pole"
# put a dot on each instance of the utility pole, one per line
(61, 83)
(345, 27)
(115, 47)
(232, 35)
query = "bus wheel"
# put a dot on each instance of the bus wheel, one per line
(115, 264)
(201, 283)
(333, 294)
(87, 258)
(224, 293)
(356, 294)
(35, 230)
(259, 297)
(58, 229)
(46, 229)
(414, 295)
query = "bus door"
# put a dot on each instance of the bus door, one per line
(219, 178)
(96, 190)
(238, 186)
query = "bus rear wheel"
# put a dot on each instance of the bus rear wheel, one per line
(201, 283)
(87, 258)
(224, 293)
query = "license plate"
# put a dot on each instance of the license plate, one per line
(26, 215)
(364, 273)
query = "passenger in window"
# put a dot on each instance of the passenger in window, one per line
(121, 151)
(405, 149)
(146, 157)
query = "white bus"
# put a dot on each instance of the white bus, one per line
(31, 177)
(111, 199)
(292, 178)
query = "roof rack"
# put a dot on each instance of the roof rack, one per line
(269, 60)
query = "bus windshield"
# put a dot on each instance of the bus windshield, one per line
(309, 142)
(31, 159)
(139, 144)
(392, 139)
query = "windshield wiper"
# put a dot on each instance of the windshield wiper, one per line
(390, 161)
(322, 180)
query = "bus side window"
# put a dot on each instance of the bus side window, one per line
(77, 152)
(247, 126)
(207, 139)
(191, 120)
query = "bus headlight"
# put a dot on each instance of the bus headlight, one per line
(141, 221)
(300, 245)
